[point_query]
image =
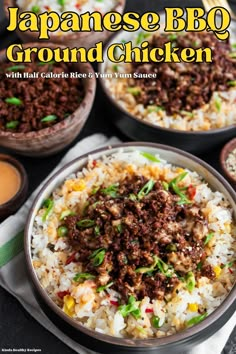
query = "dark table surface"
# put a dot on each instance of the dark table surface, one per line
(17, 328)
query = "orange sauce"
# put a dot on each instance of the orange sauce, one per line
(10, 181)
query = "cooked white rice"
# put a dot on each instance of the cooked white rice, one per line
(97, 310)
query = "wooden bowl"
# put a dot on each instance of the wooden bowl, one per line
(14, 203)
(71, 40)
(50, 140)
(229, 147)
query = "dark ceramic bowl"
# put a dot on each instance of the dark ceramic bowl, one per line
(137, 129)
(14, 203)
(227, 149)
(49, 141)
(177, 343)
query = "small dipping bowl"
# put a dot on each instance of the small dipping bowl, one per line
(13, 185)
(227, 150)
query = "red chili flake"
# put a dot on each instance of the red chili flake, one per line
(230, 270)
(47, 7)
(192, 191)
(94, 163)
(61, 294)
(115, 303)
(78, 6)
(71, 258)
(149, 310)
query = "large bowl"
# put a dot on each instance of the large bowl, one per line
(72, 39)
(177, 343)
(139, 130)
(50, 140)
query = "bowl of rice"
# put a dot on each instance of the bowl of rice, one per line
(70, 39)
(187, 105)
(132, 249)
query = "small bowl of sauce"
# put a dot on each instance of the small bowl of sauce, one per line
(13, 185)
(228, 161)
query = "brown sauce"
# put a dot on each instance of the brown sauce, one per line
(10, 181)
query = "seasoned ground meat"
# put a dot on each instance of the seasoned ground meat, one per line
(136, 235)
(31, 104)
(185, 86)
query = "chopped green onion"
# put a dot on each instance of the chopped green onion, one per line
(208, 238)
(13, 124)
(14, 100)
(190, 281)
(49, 118)
(48, 204)
(155, 321)
(35, 9)
(61, 2)
(231, 83)
(232, 55)
(149, 156)
(141, 37)
(66, 115)
(85, 223)
(102, 288)
(94, 190)
(146, 189)
(97, 230)
(155, 109)
(186, 113)
(98, 256)
(218, 103)
(171, 247)
(132, 197)
(111, 191)
(164, 268)
(48, 63)
(86, 276)
(66, 213)
(16, 67)
(119, 228)
(172, 37)
(196, 320)
(115, 68)
(165, 185)
(174, 185)
(62, 231)
(199, 266)
(233, 45)
(144, 270)
(135, 91)
(228, 265)
(130, 308)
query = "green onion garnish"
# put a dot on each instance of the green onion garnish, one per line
(85, 223)
(50, 118)
(85, 276)
(111, 191)
(155, 109)
(135, 91)
(172, 37)
(149, 156)
(119, 228)
(66, 213)
(130, 308)
(16, 67)
(208, 238)
(14, 100)
(190, 281)
(48, 63)
(144, 270)
(155, 321)
(115, 68)
(196, 320)
(62, 231)
(231, 83)
(98, 256)
(13, 124)
(97, 230)
(218, 103)
(102, 288)
(35, 9)
(48, 204)
(141, 37)
(174, 185)
(146, 189)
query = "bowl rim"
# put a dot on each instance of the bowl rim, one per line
(223, 157)
(24, 180)
(119, 7)
(87, 102)
(107, 339)
(102, 80)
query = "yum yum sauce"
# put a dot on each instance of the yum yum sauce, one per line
(10, 181)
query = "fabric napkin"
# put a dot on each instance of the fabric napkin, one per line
(12, 257)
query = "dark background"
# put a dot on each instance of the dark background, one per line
(17, 328)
